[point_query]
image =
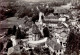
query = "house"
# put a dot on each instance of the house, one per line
(51, 21)
(54, 46)
(60, 10)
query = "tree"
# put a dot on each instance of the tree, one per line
(14, 30)
(18, 33)
(46, 32)
(1, 46)
(9, 32)
(23, 34)
(48, 11)
(32, 53)
(72, 43)
(54, 53)
(9, 44)
(35, 17)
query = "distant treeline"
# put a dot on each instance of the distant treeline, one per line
(21, 9)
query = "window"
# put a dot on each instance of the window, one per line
(60, 50)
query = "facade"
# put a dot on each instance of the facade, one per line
(51, 20)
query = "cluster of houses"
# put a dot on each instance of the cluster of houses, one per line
(52, 22)
(57, 26)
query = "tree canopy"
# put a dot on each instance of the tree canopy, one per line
(72, 42)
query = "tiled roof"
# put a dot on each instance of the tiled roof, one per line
(54, 45)
(51, 19)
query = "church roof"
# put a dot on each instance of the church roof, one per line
(35, 29)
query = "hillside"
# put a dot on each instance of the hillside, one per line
(47, 0)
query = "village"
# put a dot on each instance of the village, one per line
(41, 29)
